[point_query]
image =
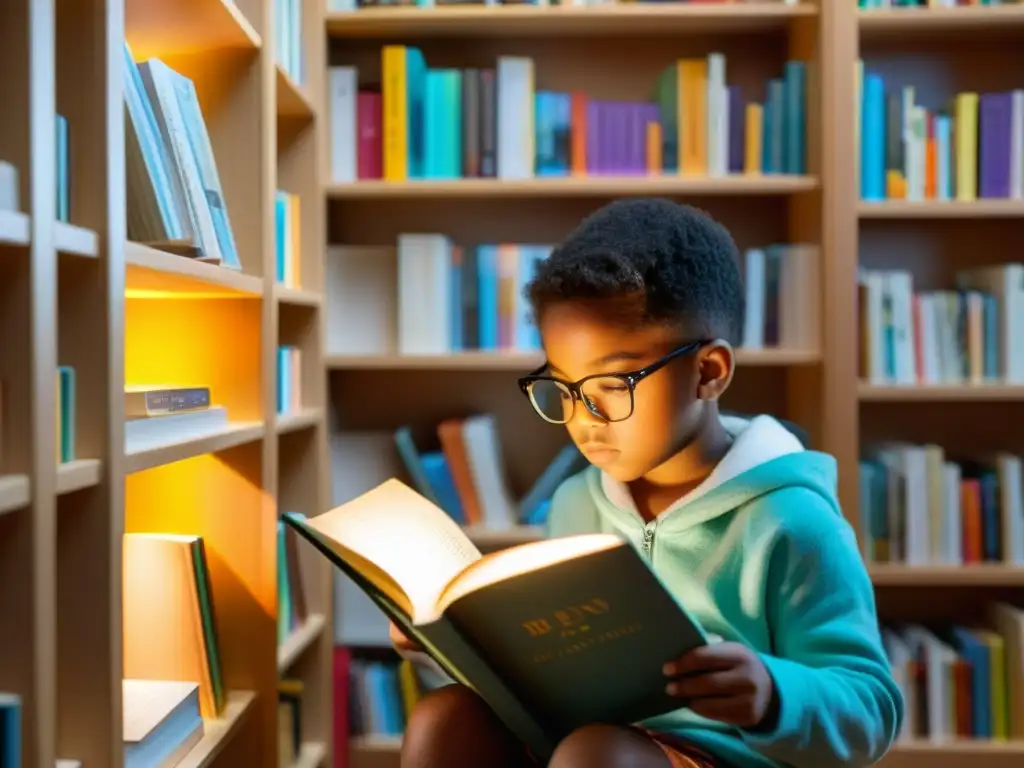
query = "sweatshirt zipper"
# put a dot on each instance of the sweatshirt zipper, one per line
(647, 544)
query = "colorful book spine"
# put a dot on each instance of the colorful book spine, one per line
(289, 379)
(477, 122)
(972, 148)
(287, 239)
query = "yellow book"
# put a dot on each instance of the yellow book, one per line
(295, 247)
(693, 93)
(752, 142)
(966, 149)
(396, 124)
(997, 671)
(895, 185)
(409, 685)
(654, 163)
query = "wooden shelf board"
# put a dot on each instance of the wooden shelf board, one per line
(311, 755)
(218, 732)
(13, 228)
(375, 743)
(75, 240)
(15, 492)
(509, 21)
(234, 434)
(966, 748)
(489, 537)
(76, 475)
(883, 393)
(297, 296)
(292, 100)
(154, 273)
(591, 186)
(981, 575)
(920, 21)
(299, 640)
(165, 28)
(292, 422)
(527, 361)
(932, 209)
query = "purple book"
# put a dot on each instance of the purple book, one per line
(593, 145)
(737, 129)
(995, 127)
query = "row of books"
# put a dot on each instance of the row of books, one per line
(459, 467)
(920, 506)
(287, 239)
(874, 5)
(381, 696)
(426, 123)
(290, 729)
(352, 5)
(289, 52)
(430, 296)
(289, 379)
(961, 682)
(175, 200)
(970, 148)
(291, 593)
(966, 335)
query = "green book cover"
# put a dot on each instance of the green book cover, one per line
(553, 635)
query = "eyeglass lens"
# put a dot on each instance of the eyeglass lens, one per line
(606, 396)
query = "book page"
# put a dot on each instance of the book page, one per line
(410, 539)
(503, 565)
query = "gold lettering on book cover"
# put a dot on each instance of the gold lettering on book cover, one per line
(569, 621)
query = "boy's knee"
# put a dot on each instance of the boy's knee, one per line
(605, 746)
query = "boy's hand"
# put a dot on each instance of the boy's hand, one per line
(727, 682)
(400, 641)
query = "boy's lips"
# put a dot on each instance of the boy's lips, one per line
(599, 454)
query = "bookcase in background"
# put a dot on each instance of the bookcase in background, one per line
(85, 312)
(616, 51)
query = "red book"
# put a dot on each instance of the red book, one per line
(342, 663)
(370, 162)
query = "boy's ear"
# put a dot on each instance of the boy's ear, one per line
(716, 362)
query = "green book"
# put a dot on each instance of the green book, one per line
(553, 634)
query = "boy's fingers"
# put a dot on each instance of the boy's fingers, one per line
(705, 659)
(722, 683)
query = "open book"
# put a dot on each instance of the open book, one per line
(553, 635)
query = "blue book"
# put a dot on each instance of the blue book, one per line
(795, 149)
(872, 165)
(439, 477)
(10, 730)
(487, 296)
(416, 95)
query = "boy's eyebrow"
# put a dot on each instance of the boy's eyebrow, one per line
(613, 357)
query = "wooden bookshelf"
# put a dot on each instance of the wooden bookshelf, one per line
(615, 51)
(79, 293)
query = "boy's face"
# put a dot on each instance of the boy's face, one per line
(669, 406)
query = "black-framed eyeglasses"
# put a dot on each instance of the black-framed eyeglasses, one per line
(608, 396)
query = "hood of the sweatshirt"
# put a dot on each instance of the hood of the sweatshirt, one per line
(764, 457)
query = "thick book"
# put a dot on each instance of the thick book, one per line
(553, 634)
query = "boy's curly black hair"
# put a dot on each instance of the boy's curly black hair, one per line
(651, 261)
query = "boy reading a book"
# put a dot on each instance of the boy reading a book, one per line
(638, 311)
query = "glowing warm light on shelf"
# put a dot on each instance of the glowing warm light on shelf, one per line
(148, 293)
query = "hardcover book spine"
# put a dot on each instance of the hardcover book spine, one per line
(580, 138)
(737, 129)
(370, 156)
(488, 124)
(471, 123)
(593, 146)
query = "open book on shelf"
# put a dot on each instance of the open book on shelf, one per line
(553, 634)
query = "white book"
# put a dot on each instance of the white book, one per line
(718, 139)
(754, 285)
(1017, 145)
(424, 294)
(343, 84)
(1011, 507)
(515, 117)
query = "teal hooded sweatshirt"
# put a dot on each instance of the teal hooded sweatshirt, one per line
(761, 554)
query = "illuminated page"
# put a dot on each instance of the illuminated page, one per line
(412, 540)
